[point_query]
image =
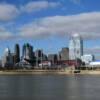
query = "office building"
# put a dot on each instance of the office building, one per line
(53, 58)
(39, 54)
(16, 54)
(27, 52)
(63, 54)
(28, 57)
(7, 59)
(75, 47)
(87, 58)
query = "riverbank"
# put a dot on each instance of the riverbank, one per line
(53, 72)
(19, 72)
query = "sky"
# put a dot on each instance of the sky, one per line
(48, 24)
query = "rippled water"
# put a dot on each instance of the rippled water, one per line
(50, 87)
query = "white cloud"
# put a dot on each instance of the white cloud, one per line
(38, 5)
(86, 24)
(8, 12)
(4, 34)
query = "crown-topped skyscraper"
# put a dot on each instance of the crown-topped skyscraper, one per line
(75, 47)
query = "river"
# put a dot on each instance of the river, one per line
(49, 87)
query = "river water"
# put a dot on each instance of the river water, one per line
(49, 87)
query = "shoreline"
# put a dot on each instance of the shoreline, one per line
(52, 72)
(33, 72)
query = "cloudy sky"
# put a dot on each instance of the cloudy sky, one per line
(48, 24)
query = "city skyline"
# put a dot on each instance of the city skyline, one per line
(48, 24)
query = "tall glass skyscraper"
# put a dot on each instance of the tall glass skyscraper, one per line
(27, 52)
(17, 53)
(75, 47)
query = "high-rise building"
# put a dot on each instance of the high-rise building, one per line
(17, 53)
(27, 52)
(7, 59)
(53, 58)
(23, 52)
(28, 56)
(75, 47)
(64, 54)
(39, 56)
(38, 53)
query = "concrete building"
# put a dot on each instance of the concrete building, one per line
(64, 54)
(7, 60)
(45, 64)
(40, 56)
(87, 58)
(53, 58)
(95, 64)
(75, 47)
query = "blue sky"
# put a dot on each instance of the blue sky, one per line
(48, 24)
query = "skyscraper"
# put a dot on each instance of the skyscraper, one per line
(7, 58)
(27, 52)
(17, 53)
(75, 47)
(53, 58)
(23, 52)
